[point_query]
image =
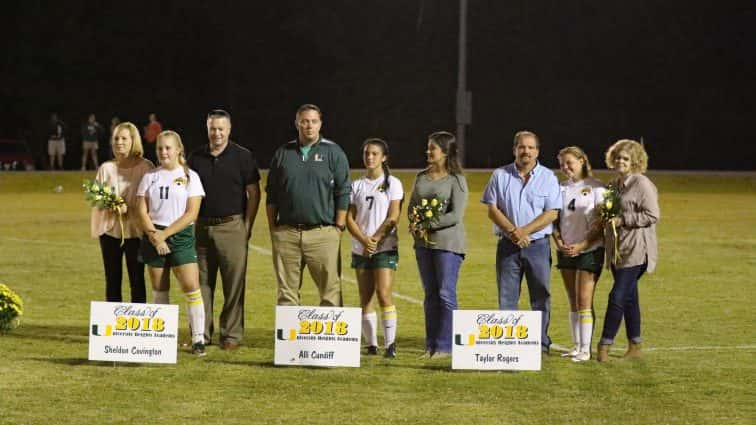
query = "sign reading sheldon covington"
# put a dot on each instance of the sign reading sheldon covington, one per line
(137, 333)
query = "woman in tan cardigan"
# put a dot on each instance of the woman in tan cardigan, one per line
(636, 243)
(124, 174)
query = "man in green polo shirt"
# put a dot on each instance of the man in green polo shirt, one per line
(308, 196)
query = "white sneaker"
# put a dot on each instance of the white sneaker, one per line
(581, 357)
(572, 353)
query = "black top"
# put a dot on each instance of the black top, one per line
(57, 128)
(225, 179)
(90, 132)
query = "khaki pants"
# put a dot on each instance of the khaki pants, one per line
(224, 247)
(317, 248)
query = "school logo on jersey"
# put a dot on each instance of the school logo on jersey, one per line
(179, 181)
(317, 157)
(585, 191)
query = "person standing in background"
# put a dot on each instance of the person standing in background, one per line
(151, 131)
(90, 139)
(56, 141)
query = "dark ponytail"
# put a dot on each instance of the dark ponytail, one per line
(385, 150)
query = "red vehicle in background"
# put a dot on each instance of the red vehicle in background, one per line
(15, 155)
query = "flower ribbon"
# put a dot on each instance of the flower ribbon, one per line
(615, 251)
(120, 221)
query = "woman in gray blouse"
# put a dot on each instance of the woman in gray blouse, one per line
(440, 245)
(635, 242)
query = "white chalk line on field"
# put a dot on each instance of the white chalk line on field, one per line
(41, 241)
(559, 348)
(555, 347)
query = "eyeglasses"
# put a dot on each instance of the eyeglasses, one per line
(218, 113)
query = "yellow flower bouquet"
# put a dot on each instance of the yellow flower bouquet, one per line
(101, 196)
(98, 195)
(10, 309)
(424, 215)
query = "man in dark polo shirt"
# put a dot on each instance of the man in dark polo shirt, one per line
(308, 196)
(231, 180)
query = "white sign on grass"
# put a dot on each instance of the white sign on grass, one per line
(131, 332)
(496, 340)
(318, 336)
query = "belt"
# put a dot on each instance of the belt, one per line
(302, 227)
(214, 221)
(504, 238)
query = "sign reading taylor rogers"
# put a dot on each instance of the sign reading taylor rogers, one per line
(318, 336)
(139, 333)
(496, 340)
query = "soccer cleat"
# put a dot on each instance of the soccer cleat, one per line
(372, 350)
(198, 349)
(390, 351)
(440, 355)
(426, 355)
(572, 353)
(581, 357)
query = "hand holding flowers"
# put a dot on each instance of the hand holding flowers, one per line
(423, 216)
(103, 197)
(98, 195)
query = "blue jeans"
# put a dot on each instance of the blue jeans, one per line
(439, 271)
(534, 262)
(623, 301)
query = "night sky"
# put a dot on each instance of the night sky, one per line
(682, 75)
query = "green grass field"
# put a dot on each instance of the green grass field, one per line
(698, 324)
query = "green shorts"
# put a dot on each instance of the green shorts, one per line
(381, 260)
(592, 261)
(181, 245)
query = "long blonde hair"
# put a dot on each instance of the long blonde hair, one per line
(180, 145)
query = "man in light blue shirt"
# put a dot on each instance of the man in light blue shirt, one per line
(523, 200)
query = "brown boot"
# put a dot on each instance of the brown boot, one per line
(633, 351)
(602, 354)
